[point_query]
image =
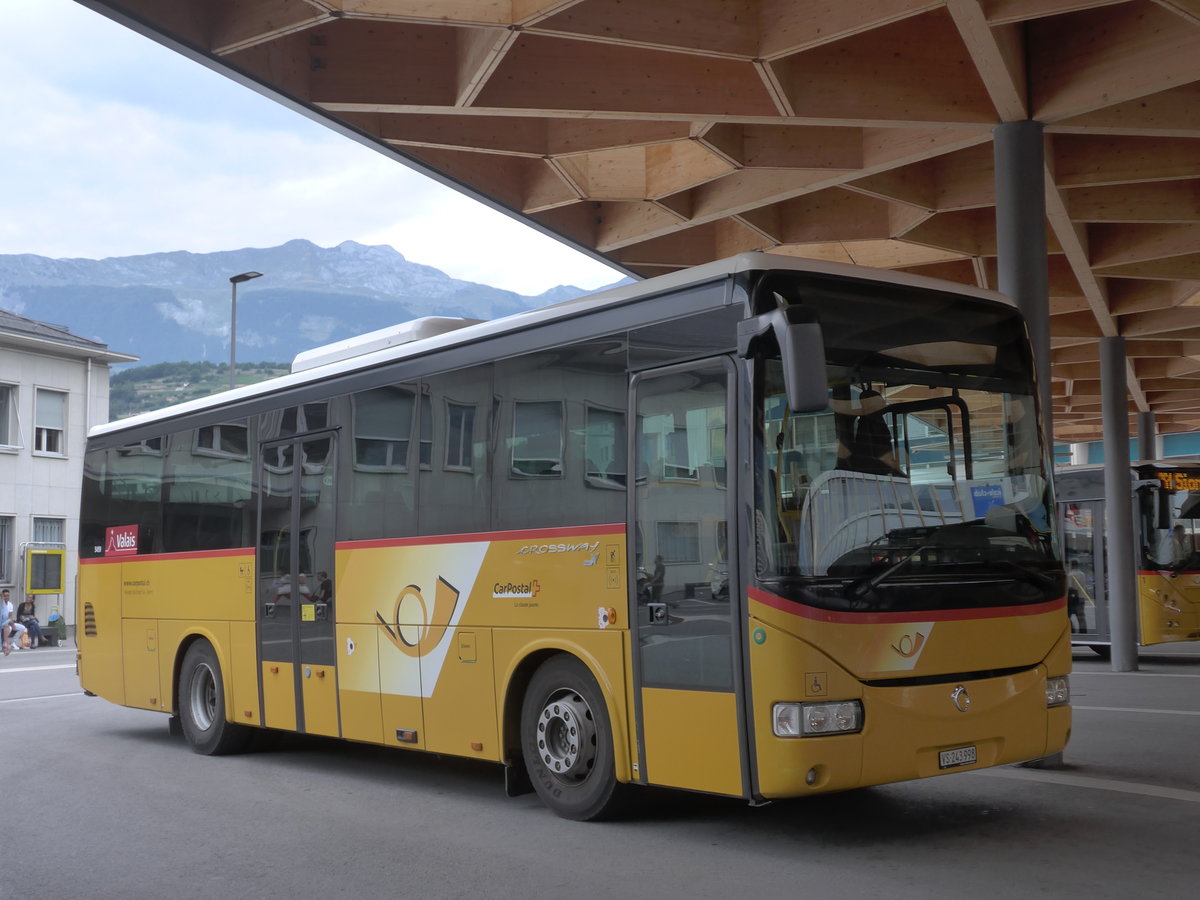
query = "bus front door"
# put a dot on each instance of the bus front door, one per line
(685, 653)
(295, 608)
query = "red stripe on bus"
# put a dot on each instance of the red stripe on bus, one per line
(187, 554)
(930, 615)
(535, 534)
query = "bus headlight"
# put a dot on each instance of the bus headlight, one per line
(805, 719)
(1058, 691)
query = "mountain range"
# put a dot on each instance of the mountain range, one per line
(169, 307)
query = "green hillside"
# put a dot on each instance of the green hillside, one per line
(145, 388)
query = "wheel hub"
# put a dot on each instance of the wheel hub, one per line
(567, 736)
(203, 697)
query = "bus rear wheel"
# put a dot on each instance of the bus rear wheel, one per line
(567, 743)
(202, 705)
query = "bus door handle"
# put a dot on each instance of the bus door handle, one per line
(658, 613)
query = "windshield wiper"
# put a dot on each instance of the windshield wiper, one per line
(859, 589)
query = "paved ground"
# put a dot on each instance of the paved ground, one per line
(100, 802)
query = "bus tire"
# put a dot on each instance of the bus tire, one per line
(567, 742)
(202, 705)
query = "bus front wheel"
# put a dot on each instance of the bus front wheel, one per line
(202, 705)
(566, 740)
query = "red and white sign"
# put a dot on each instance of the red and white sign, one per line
(121, 540)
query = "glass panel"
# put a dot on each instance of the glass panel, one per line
(456, 493)
(7, 415)
(383, 420)
(605, 447)
(378, 488)
(908, 475)
(47, 531)
(278, 591)
(6, 549)
(51, 410)
(684, 614)
(1083, 526)
(537, 439)
(316, 563)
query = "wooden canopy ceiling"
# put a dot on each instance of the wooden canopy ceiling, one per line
(665, 133)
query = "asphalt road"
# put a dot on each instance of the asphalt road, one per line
(101, 802)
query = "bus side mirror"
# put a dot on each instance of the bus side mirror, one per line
(801, 348)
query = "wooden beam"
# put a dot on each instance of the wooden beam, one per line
(787, 146)
(915, 184)
(1175, 268)
(1171, 113)
(369, 62)
(711, 27)
(998, 55)
(1164, 201)
(480, 52)
(1127, 295)
(970, 232)
(546, 73)
(966, 179)
(1085, 160)
(887, 74)
(678, 166)
(239, 26)
(1161, 322)
(832, 215)
(1084, 61)
(1188, 10)
(1116, 245)
(789, 26)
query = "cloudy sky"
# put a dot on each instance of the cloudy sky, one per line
(111, 145)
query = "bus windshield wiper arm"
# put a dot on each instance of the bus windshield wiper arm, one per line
(862, 587)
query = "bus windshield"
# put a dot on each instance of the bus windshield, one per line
(1169, 511)
(922, 486)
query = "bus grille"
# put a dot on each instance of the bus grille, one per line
(89, 620)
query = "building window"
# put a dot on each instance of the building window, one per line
(679, 542)
(50, 422)
(228, 439)
(604, 447)
(460, 428)
(8, 415)
(537, 445)
(6, 549)
(383, 428)
(48, 531)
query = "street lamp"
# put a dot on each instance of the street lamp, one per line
(233, 283)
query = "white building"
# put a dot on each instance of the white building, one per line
(53, 388)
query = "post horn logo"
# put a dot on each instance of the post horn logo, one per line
(909, 645)
(413, 629)
(961, 698)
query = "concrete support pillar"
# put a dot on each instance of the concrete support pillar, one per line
(1021, 240)
(1147, 436)
(1118, 516)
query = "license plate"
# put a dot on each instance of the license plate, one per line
(959, 756)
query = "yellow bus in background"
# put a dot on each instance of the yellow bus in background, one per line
(1165, 548)
(765, 528)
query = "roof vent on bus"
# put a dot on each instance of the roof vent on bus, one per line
(404, 333)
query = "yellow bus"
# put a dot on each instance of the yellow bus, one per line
(1165, 547)
(764, 528)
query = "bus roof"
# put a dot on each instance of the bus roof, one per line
(437, 333)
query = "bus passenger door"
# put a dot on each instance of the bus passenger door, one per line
(1082, 528)
(685, 653)
(295, 608)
